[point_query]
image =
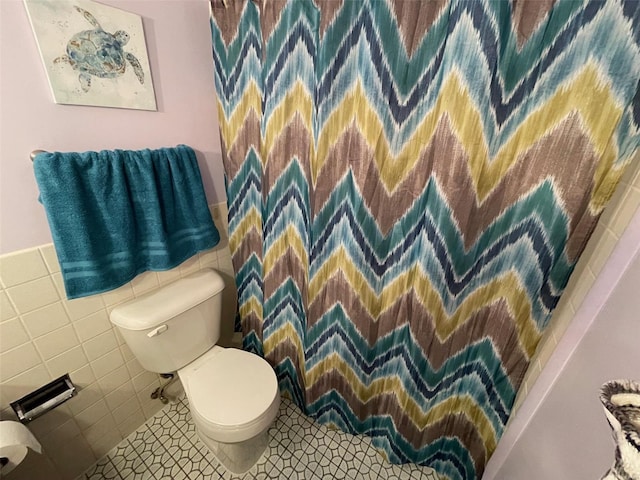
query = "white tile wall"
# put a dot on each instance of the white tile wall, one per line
(43, 335)
(612, 223)
(12, 334)
(45, 320)
(22, 267)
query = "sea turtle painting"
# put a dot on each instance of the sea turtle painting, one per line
(99, 53)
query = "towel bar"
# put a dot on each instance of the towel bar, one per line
(34, 153)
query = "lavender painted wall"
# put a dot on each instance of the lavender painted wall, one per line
(560, 432)
(179, 47)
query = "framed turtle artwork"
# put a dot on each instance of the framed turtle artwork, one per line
(94, 54)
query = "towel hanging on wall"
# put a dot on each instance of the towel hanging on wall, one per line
(117, 213)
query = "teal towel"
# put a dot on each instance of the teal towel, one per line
(117, 213)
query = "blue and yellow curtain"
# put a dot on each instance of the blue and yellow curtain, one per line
(410, 185)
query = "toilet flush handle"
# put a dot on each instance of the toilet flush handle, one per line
(157, 331)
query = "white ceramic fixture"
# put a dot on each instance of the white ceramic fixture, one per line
(233, 395)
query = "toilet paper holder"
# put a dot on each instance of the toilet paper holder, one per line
(45, 398)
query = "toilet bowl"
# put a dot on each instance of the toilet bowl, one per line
(234, 399)
(232, 394)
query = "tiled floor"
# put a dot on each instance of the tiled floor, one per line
(167, 447)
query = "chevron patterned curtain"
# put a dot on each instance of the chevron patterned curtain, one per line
(410, 185)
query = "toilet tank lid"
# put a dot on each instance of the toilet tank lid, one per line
(153, 308)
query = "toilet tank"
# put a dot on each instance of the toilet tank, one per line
(170, 327)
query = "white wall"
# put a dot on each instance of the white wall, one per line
(179, 47)
(560, 431)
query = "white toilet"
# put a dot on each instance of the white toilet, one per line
(233, 395)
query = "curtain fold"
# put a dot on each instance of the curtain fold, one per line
(409, 186)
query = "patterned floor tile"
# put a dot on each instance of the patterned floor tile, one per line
(103, 469)
(167, 448)
(263, 467)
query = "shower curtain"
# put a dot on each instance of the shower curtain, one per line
(410, 185)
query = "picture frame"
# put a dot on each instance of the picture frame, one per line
(93, 54)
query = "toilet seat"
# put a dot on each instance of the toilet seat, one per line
(233, 395)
